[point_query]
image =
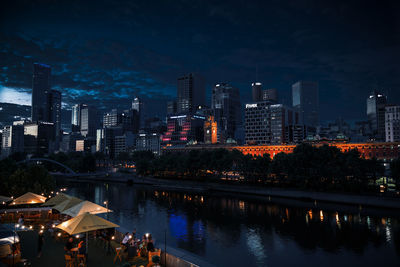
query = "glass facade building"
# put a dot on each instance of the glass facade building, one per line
(305, 98)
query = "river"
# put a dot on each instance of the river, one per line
(227, 230)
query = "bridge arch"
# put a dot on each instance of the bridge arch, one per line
(49, 160)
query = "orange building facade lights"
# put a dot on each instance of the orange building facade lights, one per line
(381, 151)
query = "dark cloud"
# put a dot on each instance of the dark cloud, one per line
(105, 52)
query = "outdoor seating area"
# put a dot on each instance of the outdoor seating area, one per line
(64, 231)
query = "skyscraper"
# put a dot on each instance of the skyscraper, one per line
(305, 96)
(171, 107)
(376, 103)
(256, 90)
(191, 92)
(392, 123)
(138, 106)
(76, 118)
(40, 91)
(266, 123)
(55, 112)
(270, 95)
(111, 118)
(226, 109)
(89, 121)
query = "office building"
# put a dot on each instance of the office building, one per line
(55, 113)
(190, 93)
(171, 107)
(297, 133)
(111, 118)
(266, 123)
(305, 97)
(148, 142)
(226, 109)
(86, 145)
(124, 143)
(183, 129)
(39, 138)
(256, 90)
(68, 143)
(12, 140)
(392, 123)
(376, 103)
(129, 120)
(76, 118)
(138, 107)
(40, 91)
(270, 95)
(100, 141)
(107, 139)
(89, 121)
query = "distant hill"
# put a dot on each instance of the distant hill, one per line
(14, 112)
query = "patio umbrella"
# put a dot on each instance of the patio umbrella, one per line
(85, 206)
(4, 199)
(84, 223)
(29, 198)
(68, 203)
(56, 200)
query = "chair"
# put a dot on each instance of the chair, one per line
(151, 255)
(118, 251)
(81, 260)
(68, 261)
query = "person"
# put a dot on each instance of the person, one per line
(125, 240)
(21, 219)
(69, 245)
(134, 233)
(144, 240)
(150, 245)
(40, 244)
(82, 247)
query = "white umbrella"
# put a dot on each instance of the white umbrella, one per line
(85, 206)
(84, 223)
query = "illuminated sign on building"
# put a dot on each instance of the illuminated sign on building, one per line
(251, 105)
(178, 117)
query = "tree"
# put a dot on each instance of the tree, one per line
(34, 179)
(395, 169)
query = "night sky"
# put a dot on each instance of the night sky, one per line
(106, 52)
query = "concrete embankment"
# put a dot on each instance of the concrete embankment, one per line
(340, 198)
(172, 256)
(193, 186)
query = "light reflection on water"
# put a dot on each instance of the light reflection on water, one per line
(229, 231)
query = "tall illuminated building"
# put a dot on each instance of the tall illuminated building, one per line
(256, 91)
(226, 109)
(376, 103)
(138, 109)
(89, 121)
(76, 118)
(305, 96)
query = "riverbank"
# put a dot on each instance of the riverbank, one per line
(249, 190)
(340, 198)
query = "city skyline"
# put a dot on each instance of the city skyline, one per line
(132, 62)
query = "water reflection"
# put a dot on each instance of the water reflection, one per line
(228, 231)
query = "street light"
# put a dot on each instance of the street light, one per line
(106, 203)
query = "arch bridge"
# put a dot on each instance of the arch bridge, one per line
(68, 169)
